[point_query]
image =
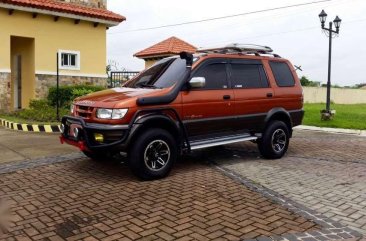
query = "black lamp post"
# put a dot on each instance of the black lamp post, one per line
(337, 23)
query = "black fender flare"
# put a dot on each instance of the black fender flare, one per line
(279, 113)
(154, 119)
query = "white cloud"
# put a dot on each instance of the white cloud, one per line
(293, 33)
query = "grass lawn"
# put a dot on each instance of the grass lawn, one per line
(347, 116)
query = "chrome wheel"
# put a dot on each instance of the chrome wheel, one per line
(157, 155)
(279, 140)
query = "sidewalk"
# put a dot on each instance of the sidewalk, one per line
(17, 145)
(332, 130)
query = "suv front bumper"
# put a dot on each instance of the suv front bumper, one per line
(76, 132)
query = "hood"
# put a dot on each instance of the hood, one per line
(110, 97)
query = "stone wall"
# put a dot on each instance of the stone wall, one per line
(44, 82)
(5, 91)
(89, 3)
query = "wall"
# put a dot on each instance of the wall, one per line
(338, 95)
(44, 82)
(50, 36)
(5, 97)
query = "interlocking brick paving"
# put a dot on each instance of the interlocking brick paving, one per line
(324, 172)
(81, 199)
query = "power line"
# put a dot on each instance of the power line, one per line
(223, 17)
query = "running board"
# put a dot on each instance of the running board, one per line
(200, 144)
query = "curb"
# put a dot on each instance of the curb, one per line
(332, 130)
(30, 127)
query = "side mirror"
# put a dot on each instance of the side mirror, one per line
(197, 82)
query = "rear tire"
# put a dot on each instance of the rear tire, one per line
(153, 154)
(275, 140)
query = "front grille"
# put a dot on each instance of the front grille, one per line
(84, 111)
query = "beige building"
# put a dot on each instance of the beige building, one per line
(33, 32)
(169, 47)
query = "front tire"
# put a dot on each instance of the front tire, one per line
(153, 154)
(275, 140)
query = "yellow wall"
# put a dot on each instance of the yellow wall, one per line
(25, 48)
(50, 36)
(149, 63)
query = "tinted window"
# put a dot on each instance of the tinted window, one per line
(164, 73)
(248, 76)
(215, 75)
(282, 74)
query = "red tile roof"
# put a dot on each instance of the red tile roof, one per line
(172, 45)
(68, 8)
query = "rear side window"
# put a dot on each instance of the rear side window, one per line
(282, 74)
(215, 75)
(248, 76)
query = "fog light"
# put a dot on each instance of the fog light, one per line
(76, 133)
(98, 137)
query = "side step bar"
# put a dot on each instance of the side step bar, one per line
(200, 144)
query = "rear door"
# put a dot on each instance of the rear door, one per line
(253, 94)
(210, 109)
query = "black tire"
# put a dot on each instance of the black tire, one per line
(275, 140)
(146, 150)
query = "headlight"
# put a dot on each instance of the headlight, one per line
(72, 108)
(113, 114)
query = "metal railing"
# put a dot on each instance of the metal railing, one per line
(117, 78)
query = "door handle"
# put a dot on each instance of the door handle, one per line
(226, 97)
(269, 95)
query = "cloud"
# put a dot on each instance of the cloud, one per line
(293, 33)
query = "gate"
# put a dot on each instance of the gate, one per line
(117, 78)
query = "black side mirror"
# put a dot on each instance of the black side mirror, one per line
(188, 57)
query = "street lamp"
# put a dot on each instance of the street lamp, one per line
(326, 114)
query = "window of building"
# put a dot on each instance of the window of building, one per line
(248, 76)
(215, 75)
(69, 60)
(282, 74)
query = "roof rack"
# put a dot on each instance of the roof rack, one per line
(240, 49)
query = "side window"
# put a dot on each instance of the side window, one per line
(248, 76)
(215, 75)
(282, 74)
(69, 60)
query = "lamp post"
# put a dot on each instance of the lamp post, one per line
(326, 114)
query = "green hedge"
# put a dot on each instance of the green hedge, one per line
(68, 93)
(39, 111)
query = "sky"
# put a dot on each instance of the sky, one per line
(294, 33)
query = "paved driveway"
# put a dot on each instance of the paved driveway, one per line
(299, 197)
(324, 172)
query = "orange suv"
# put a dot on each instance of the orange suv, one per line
(215, 97)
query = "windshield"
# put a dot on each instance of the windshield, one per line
(163, 74)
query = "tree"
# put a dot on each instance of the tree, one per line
(306, 82)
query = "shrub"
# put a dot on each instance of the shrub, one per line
(39, 111)
(68, 93)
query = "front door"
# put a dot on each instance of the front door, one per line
(208, 110)
(17, 81)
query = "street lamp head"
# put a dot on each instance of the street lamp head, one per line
(323, 17)
(337, 22)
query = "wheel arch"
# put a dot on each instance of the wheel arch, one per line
(154, 120)
(279, 114)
